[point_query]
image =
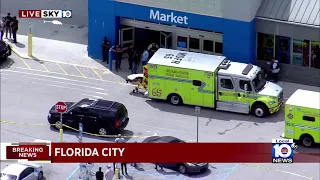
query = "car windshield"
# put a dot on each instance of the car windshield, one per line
(7, 176)
(259, 81)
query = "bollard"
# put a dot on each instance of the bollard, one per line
(117, 174)
(30, 44)
(61, 135)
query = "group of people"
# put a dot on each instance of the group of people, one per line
(109, 174)
(9, 26)
(134, 57)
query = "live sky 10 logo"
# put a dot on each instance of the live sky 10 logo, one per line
(283, 150)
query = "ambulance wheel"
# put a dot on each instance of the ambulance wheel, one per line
(175, 99)
(307, 140)
(260, 110)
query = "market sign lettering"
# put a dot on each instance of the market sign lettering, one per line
(156, 15)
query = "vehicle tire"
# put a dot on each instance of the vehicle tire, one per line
(58, 125)
(102, 132)
(40, 175)
(260, 110)
(175, 99)
(182, 169)
(307, 140)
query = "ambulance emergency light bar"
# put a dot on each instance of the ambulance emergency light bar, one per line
(277, 151)
(247, 69)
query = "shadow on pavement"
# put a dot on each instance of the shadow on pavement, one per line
(7, 63)
(109, 139)
(211, 113)
(18, 44)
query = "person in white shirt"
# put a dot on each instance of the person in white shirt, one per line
(275, 69)
(109, 173)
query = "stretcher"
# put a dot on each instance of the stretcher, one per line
(138, 80)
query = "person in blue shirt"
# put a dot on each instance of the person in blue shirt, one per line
(145, 57)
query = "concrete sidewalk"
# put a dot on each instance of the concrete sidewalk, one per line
(58, 43)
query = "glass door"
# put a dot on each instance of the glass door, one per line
(126, 37)
(207, 46)
(165, 40)
(195, 44)
(283, 49)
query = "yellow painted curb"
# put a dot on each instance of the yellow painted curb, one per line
(71, 64)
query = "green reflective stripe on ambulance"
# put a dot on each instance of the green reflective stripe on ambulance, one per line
(200, 89)
(306, 127)
(288, 123)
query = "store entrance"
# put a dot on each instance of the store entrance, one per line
(142, 38)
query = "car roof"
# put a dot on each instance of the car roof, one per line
(190, 60)
(14, 169)
(304, 98)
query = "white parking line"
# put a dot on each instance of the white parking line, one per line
(95, 97)
(97, 88)
(66, 79)
(69, 88)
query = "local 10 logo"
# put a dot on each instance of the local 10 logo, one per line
(283, 150)
(66, 13)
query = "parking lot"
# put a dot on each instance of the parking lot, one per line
(60, 68)
(30, 88)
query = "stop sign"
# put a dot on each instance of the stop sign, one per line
(61, 107)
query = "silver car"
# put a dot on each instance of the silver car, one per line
(22, 171)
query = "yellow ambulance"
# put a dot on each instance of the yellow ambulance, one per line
(206, 80)
(302, 117)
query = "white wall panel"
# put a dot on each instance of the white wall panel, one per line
(203, 7)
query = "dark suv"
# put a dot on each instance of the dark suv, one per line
(97, 116)
(5, 51)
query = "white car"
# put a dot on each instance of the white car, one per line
(22, 171)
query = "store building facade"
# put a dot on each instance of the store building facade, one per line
(243, 31)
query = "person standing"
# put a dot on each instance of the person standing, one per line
(145, 57)
(99, 174)
(8, 25)
(14, 26)
(275, 69)
(124, 169)
(135, 62)
(2, 27)
(109, 173)
(152, 48)
(105, 50)
(118, 51)
(130, 52)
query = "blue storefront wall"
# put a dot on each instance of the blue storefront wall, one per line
(239, 38)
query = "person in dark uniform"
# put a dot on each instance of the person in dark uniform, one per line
(99, 174)
(118, 51)
(105, 50)
(14, 26)
(152, 48)
(135, 62)
(124, 169)
(8, 29)
(130, 51)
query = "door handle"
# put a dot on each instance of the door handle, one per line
(220, 93)
(239, 95)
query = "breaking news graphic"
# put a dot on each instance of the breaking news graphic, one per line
(39, 152)
(161, 152)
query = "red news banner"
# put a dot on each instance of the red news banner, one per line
(152, 152)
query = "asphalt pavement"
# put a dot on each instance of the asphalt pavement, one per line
(28, 93)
